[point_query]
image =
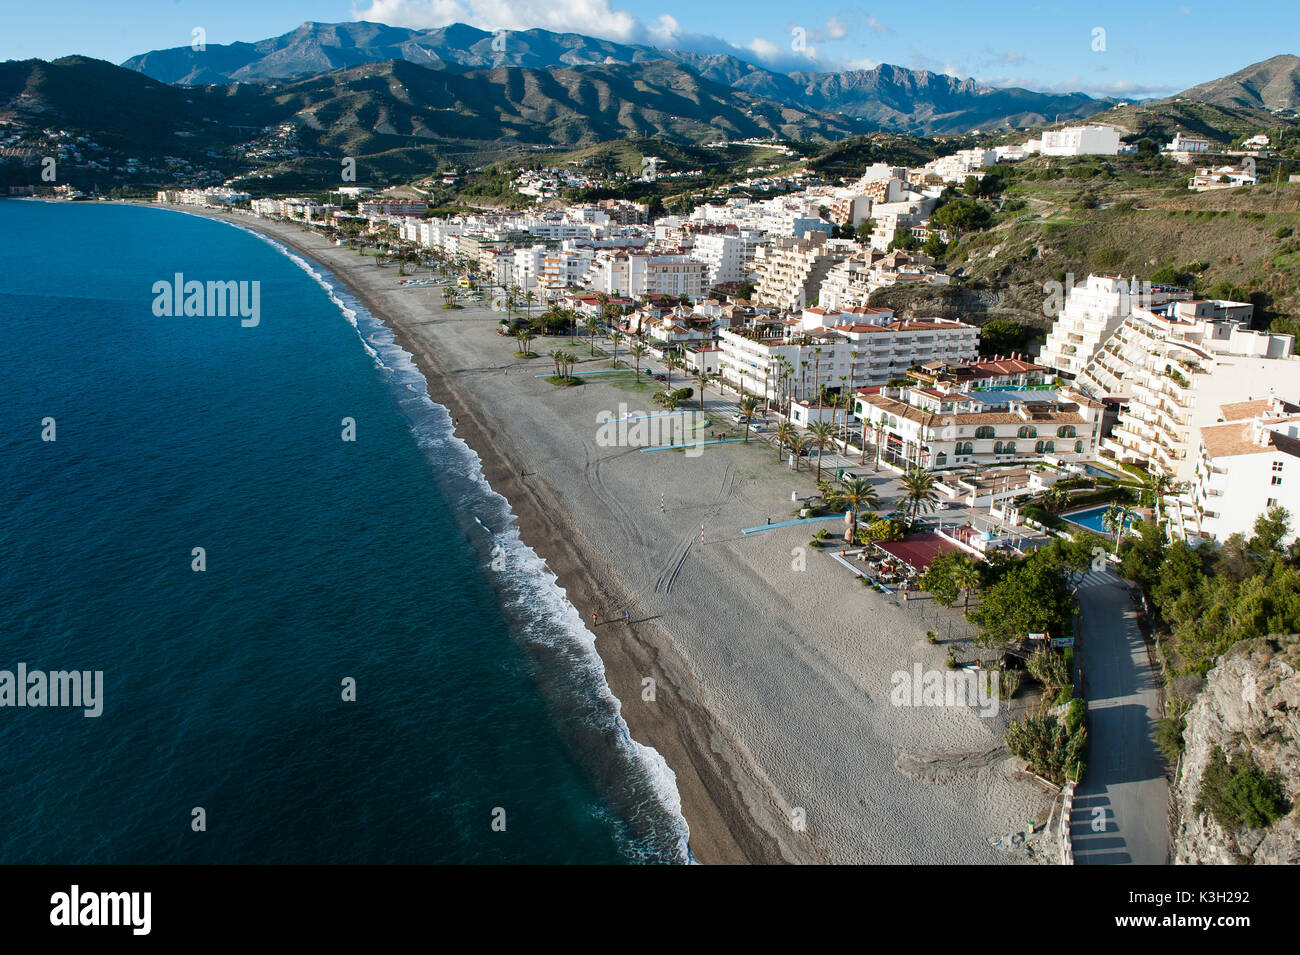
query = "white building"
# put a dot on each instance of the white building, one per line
(1244, 467)
(790, 271)
(726, 256)
(1090, 314)
(1090, 140)
(861, 354)
(1174, 366)
(935, 427)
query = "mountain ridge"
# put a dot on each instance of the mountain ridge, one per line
(887, 97)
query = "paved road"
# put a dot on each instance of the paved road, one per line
(1125, 778)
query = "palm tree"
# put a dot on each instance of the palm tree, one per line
(918, 488)
(703, 377)
(616, 336)
(665, 399)
(821, 433)
(1114, 520)
(1156, 487)
(858, 495)
(748, 408)
(1055, 498)
(638, 351)
(524, 336)
(879, 428)
(967, 577)
(529, 297)
(785, 434)
(449, 295)
(798, 444)
(592, 325)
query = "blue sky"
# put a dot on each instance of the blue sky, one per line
(1135, 48)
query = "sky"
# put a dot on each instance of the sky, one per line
(1128, 49)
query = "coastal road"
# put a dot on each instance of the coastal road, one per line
(1121, 807)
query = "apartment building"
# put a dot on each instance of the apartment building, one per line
(1244, 467)
(727, 256)
(639, 273)
(934, 427)
(1090, 140)
(850, 283)
(1091, 313)
(790, 271)
(376, 208)
(1174, 366)
(843, 356)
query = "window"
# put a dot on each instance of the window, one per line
(1065, 431)
(1011, 447)
(984, 432)
(1271, 502)
(1039, 448)
(966, 448)
(1277, 465)
(1051, 446)
(997, 448)
(940, 459)
(1078, 447)
(1277, 479)
(1027, 432)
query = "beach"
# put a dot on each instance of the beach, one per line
(770, 666)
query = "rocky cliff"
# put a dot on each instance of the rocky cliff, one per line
(1248, 708)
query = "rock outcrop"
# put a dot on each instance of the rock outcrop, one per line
(1250, 704)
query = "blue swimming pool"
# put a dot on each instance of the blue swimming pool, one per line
(1091, 518)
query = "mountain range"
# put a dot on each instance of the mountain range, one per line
(888, 97)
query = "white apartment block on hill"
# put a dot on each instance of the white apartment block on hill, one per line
(1244, 467)
(790, 271)
(1091, 313)
(1090, 140)
(1175, 365)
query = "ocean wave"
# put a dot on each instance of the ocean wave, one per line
(637, 779)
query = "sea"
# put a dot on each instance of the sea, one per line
(319, 637)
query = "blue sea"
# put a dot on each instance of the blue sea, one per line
(482, 730)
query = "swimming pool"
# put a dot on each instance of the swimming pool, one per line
(1091, 518)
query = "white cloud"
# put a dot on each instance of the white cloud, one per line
(590, 17)
(596, 18)
(836, 30)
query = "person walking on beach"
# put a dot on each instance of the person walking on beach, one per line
(593, 618)
(627, 616)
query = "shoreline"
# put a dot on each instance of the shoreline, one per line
(773, 692)
(717, 819)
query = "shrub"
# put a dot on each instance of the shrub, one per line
(1169, 737)
(1048, 747)
(1240, 794)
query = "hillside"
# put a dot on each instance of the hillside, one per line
(1118, 215)
(1273, 84)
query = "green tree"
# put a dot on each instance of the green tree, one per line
(821, 434)
(918, 491)
(748, 408)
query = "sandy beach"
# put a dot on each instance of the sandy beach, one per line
(772, 665)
